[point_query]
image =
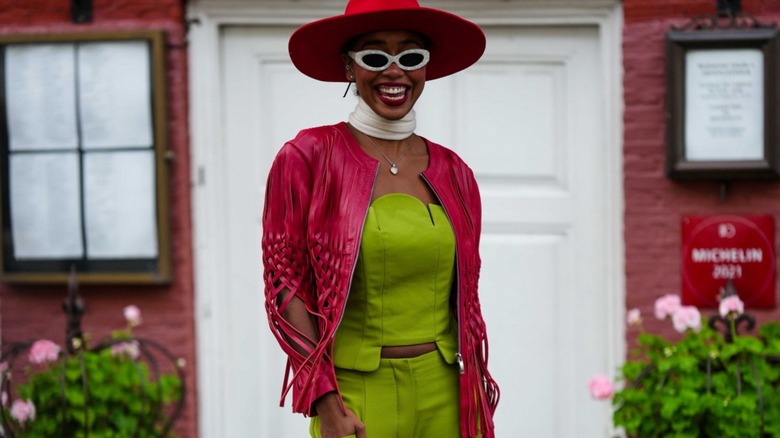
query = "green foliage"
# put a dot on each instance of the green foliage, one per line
(702, 386)
(99, 394)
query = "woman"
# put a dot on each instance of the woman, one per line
(371, 238)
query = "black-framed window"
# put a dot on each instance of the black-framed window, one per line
(82, 155)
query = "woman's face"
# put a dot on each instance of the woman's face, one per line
(392, 92)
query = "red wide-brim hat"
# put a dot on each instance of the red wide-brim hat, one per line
(316, 48)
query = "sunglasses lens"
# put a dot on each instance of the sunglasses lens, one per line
(411, 59)
(375, 60)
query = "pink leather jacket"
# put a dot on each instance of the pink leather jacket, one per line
(317, 197)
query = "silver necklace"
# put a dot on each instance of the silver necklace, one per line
(393, 166)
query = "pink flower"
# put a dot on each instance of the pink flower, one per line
(634, 318)
(601, 387)
(3, 367)
(133, 315)
(23, 410)
(43, 351)
(685, 318)
(4, 398)
(731, 304)
(130, 349)
(666, 306)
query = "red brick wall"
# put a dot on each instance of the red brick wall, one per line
(35, 312)
(654, 204)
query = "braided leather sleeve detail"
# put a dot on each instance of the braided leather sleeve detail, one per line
(286, 268)
(288, 274)
(328, 260)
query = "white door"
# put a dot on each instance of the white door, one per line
(530, 120)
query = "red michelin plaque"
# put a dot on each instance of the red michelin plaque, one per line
(721, 248)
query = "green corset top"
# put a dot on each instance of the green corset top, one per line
(401, 288)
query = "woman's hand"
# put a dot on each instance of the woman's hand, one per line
(333, 422)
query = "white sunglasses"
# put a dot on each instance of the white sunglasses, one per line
(377, 60)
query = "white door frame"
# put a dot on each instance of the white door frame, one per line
(207, 153)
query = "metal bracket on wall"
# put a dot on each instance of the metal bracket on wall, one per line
(81, 11)
(728, 8)
(724, 190)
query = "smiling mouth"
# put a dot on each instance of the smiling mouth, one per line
(393, 93)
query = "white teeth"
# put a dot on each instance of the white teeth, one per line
(392, 90)
(398, 97)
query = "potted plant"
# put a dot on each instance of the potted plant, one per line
(115, 389)
(704, 385)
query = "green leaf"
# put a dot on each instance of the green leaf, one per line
(669, 407)
(74, 396)
(770, 330)
(749, 344)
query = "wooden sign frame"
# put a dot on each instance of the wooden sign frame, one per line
(715, 128)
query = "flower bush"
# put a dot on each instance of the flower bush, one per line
(106, 391)
(701, 386)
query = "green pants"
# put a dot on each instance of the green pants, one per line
(404, 398)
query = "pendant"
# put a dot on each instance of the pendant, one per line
(394, 169)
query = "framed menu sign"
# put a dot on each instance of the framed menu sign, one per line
(721, 106)
(82, 155)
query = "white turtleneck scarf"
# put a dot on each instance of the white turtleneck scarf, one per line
(370, 123)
